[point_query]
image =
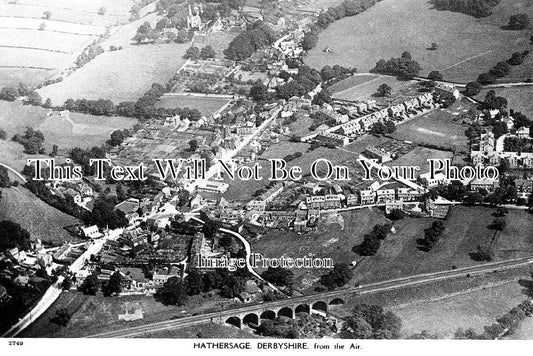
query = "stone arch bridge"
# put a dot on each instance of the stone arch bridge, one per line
(252, 314)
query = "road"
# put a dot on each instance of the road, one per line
(14, 171)
(366, 289)
(54, 291)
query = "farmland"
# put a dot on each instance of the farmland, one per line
(364, 89)
(38, 41)
(436, 128)
(467, 46)
(399, 255)
(468, 309)
(40, 219)
(519, 98)
(112, 77)
(80, 130)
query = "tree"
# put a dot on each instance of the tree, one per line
(117, 137)
(13, 235)
(192, 52)
(384, 90)
(310, 40)
(486, 78)
(278, 276)
(371, 322)
(47, 103)
(102, 11)
(519, 21)
(121, 195)
(3, 134)
(337, 277)
(434, 46)
(396, 214)
(435, 76)
(144, 32)
(54, 150)
(369, 246)
(225, 242)
(61, 317)
(90, 285)
(194, 282)
(484, 254)
(34, 98)
(499, 224)
(173, 292)
(473, 88)
(5, 182)
(193, 145)
(67, 283)
(259, 92)
(114, 285)
(47, 15)
(9, 93)
(207, 52)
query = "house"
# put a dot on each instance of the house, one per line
(22, 281)
(134, 279)
(212, 187)
(523, 132)
(437, 208)
(524, 187)
(332, 139)
(447, 90)
(161, 275)
(384, 195)
(368, 196)
(431, 182)
(488, 184)
(352, 200)
(91, 232)
(378, 153)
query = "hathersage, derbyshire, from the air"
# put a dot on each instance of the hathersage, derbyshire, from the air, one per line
(266, 169)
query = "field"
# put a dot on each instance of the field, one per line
(206, 105)
(436, 128)
(468, 309)
(519, 99)
(41, 220)
(120, 75)
(419, 157)
(80, 130)
(399, 255)
(362, 90)
(352, 81)
(38, 41)
(95, 314)
(467, 46)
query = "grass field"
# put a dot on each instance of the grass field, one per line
(469, 309)
(41, 220)
(419, 157)
(121, 75)
(95, 314)
(362, 90)
(467, 46)
(519, 99)
(399, 255)
(207, 106)
(352, 81)
(436, 128)
(81, 131)
(29, 76)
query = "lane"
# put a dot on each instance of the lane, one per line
(366, 289)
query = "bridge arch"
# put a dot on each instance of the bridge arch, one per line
(268, 314)
(320, 305)
(302, 308)
(234, 321)
(286, 311)
(251, 318)
(336, 301)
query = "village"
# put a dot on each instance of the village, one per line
(167, 226)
